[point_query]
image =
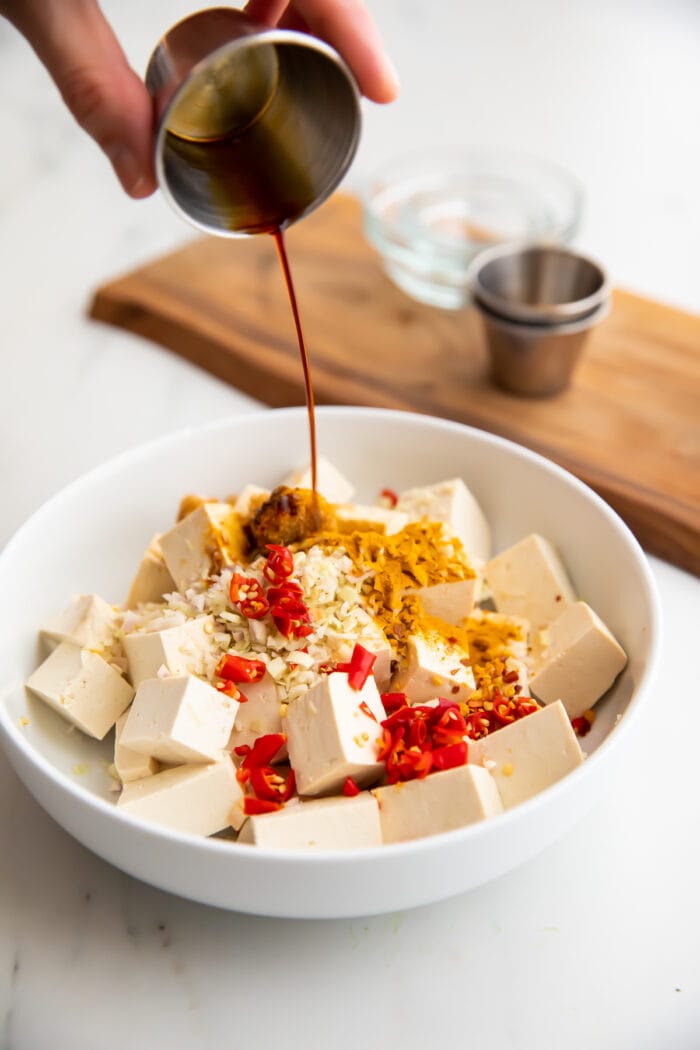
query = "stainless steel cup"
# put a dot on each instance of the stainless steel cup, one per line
(256, 126)
(539, 283)
(537, 304)
(536, 360)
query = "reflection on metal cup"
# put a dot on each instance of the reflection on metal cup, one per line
(256, 126)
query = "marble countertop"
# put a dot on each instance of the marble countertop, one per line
(594, 942)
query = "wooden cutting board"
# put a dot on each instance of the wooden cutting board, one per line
(629, 425)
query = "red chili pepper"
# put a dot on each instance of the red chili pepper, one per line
(450, 756)
(230, 689)
(267, 783)
(390, 496)
(350, 788)
(449, 728)
(247, 593)
(394, 701)
(279, 564)
(366, 710)
(236, 668)
(360, 666)
(263, 750)
(253, 807)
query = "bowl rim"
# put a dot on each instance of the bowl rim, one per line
(13, 738)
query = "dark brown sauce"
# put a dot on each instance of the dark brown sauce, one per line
(278, 236)
(253, 192)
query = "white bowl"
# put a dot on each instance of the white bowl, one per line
(91, 536)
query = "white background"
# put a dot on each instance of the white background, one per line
(594, 943)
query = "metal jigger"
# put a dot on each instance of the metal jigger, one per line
(537, 304)
(256, 126)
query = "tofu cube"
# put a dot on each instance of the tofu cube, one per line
(529, 755)
(200, 800)
(185, 649)
(451, 602)
(329, 481)
(130, 765)
(356, 517)
(258, 715)
(582, 661)
(494, 640)
(152, 579)
(322, 823)
(451, 502)
(81, 687)
(529, 580)
(88, 622)
(439, 802)
(434, 667)
(330, 737)
(202, 543)
(179, 720)
(249, 499)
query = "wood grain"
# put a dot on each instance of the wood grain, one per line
(629, 425)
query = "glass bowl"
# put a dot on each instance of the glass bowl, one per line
(429, 214)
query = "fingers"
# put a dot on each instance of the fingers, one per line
(349, 28)
(81, 53)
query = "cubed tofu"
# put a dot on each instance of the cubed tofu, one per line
(249, 499)
(88, 622)
(529, 580)
(582, 661)
(496, 639)
(323, 823)
(330, 483)
(152, 579)
(434, 667)
(81, 687)
(185, 649)
(179, 720)
(439, 802)
(451, 502)
(200, 800)
(356, 517)
(529, 755)
(451, 602)
(202, 543)
(131, 765)
(258, 715)
(330, 737)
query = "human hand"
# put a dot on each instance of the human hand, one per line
(108, 99)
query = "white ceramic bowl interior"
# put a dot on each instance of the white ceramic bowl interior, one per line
(90, 537)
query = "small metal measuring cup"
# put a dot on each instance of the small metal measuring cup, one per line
(537, 303)
(256, 126)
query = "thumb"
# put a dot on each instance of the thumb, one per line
(109, 101)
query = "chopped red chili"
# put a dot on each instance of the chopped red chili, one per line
(280, 563)
(247, 593)
(366, 710)
(350, 788)
(253, 807)
(230, 689)
(359, 667)
(450, 756)
(390, 496)
(236, 668)
(393, 701)
(263, 750)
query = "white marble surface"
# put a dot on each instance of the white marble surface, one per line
(594, 943)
